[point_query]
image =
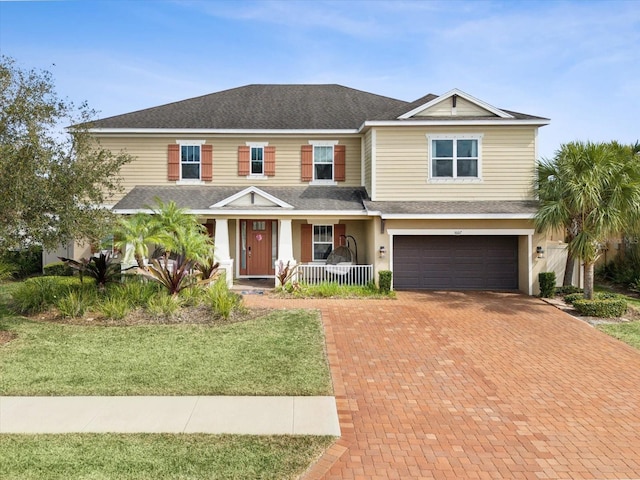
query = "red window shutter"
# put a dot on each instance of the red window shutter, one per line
(306, 243)
(339, 154)
(207, 163)
(243, 160)
(338, 230)
(269, 161)
(307, 163)
(174, 162)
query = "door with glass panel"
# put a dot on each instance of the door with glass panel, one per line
(258, 247)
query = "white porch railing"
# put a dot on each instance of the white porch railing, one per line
(342, 274)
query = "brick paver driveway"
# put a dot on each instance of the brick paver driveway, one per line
(476, 385)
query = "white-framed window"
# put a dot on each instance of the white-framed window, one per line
(256, 160)
(323, 162)
(191, 160)
(455, 157)
(322, 242)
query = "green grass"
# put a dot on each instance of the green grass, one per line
(333, 290)
(280, 354)
(628, 332)
(153, 456)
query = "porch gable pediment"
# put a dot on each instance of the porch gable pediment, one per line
(252, 197)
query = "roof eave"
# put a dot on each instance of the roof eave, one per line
(452, 216)
(435, 123)
(224, 131)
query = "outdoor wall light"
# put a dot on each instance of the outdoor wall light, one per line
(382, 252)
(540, 251)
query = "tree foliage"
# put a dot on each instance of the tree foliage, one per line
(592, 190)
(52, 179)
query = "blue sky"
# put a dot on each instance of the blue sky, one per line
(576, 62)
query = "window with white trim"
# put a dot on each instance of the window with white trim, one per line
(455, 156)
(256, 159)
(323, 162)
(322, 242)
(190, 162)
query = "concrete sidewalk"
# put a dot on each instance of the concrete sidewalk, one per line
(196, 414)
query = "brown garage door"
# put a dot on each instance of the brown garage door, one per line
(455, 262)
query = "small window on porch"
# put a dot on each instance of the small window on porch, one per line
(322, 242)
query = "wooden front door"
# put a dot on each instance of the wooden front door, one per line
(257, 245)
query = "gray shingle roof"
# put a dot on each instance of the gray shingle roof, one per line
(257, 107)
(278, 107)
(202, 197)
(526, 207)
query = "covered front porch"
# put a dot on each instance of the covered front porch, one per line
(317, 250)
(257, 231)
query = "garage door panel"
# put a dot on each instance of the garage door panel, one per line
(456, 262)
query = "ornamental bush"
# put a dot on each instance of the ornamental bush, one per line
(547, 282)
(58, 269)
(601, 307)
(384, 280)
(567, 289)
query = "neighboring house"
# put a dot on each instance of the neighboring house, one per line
(438, 190)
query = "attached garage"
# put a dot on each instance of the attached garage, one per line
(450, 262)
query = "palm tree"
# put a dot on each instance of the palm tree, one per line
(592, 190)
(135, 231)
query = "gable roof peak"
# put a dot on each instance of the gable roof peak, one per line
(457, 93)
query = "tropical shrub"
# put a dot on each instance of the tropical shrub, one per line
(114, 308)
(285, 273)
(174, 278)
(38, 294)
(74, 304)
(101, 268)
(207, 269)
(193, 296)
(222, 301)
(163, 305)
(547, 281)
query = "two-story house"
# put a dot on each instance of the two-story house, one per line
(438, 190)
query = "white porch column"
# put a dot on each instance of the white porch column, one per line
(222, 251)
(285, 247)
(285, 241)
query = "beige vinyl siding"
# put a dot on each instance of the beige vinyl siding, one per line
(402, 164)
(367, 161)
(441, 109)
(463, 108)
(150, 164)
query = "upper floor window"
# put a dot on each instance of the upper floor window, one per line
(190, 162)
(455, 157)
(323, 162)
(257, 160)
(322, 242)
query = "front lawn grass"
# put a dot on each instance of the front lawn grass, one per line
(154, 456)
(628, 332)
(279, 354)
